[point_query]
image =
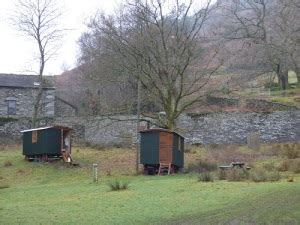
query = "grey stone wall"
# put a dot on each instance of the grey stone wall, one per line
(213, 128)
(25, 98)
(11, 129)
(112, 131)
(233, 128)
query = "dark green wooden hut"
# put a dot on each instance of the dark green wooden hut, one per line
(161, 147)
(46, 142)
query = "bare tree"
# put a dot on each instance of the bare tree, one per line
(168, 47)
(38, 20)
(268, 32)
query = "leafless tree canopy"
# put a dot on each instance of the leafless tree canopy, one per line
(169, 48)
(173, 47)
(38, 20)
(267, 33)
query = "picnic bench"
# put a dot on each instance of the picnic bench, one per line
(235, 165)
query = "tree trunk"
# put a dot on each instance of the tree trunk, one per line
(37, 103)
(283, 81)
(297, 71)
(282, 74)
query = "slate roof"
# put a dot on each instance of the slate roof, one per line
(22, 81)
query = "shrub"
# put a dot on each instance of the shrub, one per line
(290, 165)
(236, 175)
(206, 177)
(222, 175)
(292, 153)
(118, 185)
(207, 166)
(260, 175)
(269, 166)
(202, 166)
(295, 166)
(284, 166)
(2, 186)
(273, 176)
(7, 163)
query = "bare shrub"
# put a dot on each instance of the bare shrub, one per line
(292, 165)
(291, 153)
(7, 163)
(236, 175)
(202, 166)
(269, 166)
(230, 153)
(273, 176)
(206, 177)
(284, 166)
(222, 175)
(260, 175)
(295, 166)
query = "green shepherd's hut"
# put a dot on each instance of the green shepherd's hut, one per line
(47, 142)
(161, 150)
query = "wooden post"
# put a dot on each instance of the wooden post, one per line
(95, 172)
(138, 126)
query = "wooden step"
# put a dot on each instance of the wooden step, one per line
(164, 167)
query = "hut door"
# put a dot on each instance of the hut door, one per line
(165, 147)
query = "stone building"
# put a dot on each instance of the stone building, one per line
(18, 93)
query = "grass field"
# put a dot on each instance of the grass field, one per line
(53, 193)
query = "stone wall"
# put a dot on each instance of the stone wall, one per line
(213, 128)
(113, 130)
(233, 128)
(11, 128)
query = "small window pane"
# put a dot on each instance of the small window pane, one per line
(11, 107)
(34, 136)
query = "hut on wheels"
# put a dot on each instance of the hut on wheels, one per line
(161, 151)
(47, 142)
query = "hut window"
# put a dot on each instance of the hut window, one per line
(179, 144)
(34, 136)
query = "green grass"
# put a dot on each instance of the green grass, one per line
(51, 193)
(290, 97)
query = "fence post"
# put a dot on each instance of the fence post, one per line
(95, 172)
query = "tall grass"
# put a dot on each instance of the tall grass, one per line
(118, 185)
